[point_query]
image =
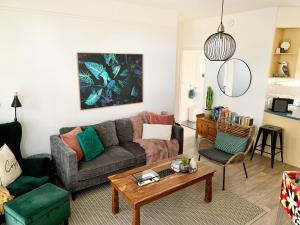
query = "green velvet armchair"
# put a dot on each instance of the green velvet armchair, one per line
(36, 169)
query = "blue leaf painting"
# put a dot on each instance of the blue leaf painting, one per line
(110, 79)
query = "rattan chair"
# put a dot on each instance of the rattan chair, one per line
(207, 150)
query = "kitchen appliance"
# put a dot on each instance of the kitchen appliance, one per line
(281, 104)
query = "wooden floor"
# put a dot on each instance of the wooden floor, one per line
(262, 186)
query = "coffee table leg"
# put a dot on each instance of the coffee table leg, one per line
(208, 189)
(136, 215)
(115, 200)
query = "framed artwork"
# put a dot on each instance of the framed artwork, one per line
(107, 79)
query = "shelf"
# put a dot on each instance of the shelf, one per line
(284, 53)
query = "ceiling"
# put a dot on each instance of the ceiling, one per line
(192, 9)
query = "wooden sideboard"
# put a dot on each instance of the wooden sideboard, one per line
(206, 127)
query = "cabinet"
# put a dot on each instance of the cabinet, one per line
(206, 127)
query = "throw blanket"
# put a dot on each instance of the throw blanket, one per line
(4, 197)
(155, 149)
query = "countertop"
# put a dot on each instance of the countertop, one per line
(295, 115)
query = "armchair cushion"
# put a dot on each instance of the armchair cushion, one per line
(25, 184)
(230, 143)
(36, 166)
(216, 155)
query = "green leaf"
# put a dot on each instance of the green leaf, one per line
(86, 78)
(94, 97)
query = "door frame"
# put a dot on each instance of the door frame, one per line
(179, 75)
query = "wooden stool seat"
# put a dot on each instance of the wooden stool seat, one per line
(271, 128)
(265, 131)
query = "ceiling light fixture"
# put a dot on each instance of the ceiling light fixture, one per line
(220, 46)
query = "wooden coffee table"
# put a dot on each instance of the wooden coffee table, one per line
(124, 184)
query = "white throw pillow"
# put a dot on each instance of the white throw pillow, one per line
(157, 131)
(10, 169)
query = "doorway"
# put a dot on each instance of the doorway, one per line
(191, 87)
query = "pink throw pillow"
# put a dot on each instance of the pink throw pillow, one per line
(70, 139)
(162, 119)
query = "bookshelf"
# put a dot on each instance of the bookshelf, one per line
(292, 56)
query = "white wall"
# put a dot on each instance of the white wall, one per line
(253, 32)
(38, 47)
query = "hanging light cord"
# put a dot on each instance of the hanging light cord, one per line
(222, 12)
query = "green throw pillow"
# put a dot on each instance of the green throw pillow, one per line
(230, 143)
(90, 143)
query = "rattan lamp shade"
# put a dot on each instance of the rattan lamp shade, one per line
(219, 47)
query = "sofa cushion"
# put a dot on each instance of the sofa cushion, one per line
(136, 150)
(70, 139)
(25, 184)
(107, 132)
(161, 119)
(157, 131)
(114, 158)
(90, 143)
(64, 130)
(124, 130)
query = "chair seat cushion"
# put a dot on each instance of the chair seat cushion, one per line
(47, 204)
(25, 184)
(138, 152)
(114, 158)
(215, 155)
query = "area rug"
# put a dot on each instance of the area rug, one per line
(93, 207)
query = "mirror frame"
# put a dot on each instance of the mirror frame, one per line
(249, 82)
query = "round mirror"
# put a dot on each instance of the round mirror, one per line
(234, 77)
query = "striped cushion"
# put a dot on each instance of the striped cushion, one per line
(234, 129)
(230, 143)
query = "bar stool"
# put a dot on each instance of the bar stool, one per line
(274, 131)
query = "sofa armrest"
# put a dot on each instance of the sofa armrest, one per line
(37, 166)
(177, 133)
(65, 162)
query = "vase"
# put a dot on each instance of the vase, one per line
(208, 113)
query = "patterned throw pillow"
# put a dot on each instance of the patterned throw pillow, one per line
(230, 143)
(90, 143)
(10, 169)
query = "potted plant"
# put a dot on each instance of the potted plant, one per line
(185, 165)
(209, 102)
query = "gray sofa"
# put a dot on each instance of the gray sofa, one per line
(120, 154)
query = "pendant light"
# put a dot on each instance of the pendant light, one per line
(219, 46)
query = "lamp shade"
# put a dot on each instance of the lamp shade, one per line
(219, 47)
(16, 102)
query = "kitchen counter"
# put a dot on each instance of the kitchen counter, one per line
(290, 123)
(295, 115)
